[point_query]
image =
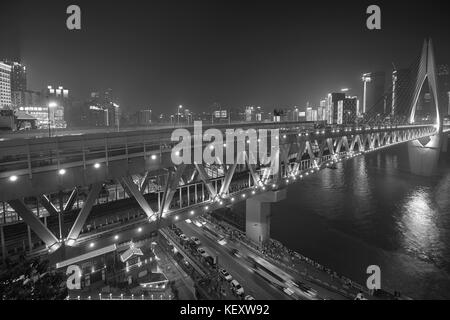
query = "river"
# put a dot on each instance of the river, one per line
(372, 211)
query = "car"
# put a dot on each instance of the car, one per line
(236, 253)
(184, 237)
(201, 250)
(288, 291)
(222, 241)
(188, 221)
(198, 224)
(195, 240)
(178, 231)
(249, 297)
(224, 274)
(172, 227)
(237, 288)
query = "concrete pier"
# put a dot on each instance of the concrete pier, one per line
(258, 213)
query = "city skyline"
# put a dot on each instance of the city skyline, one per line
(224, 151)
(277, 64)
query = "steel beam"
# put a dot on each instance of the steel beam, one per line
(71, 201)
(144, 182)
(84, 212)
(35, 224)
(204, 177)
(130, 186)
(171, 187)
(2, 240)
(48, 205)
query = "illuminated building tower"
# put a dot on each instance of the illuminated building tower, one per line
(5, 86)
(374, 86)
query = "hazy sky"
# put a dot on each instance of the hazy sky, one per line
(160, 54)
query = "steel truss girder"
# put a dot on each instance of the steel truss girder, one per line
(72, 198)
(173, 179)
(50, 240)
(128, 184)
(48, 205)
(204, 177)
(84, 212)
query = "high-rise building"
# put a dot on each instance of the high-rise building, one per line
(59, 114)
(5, 86)
(332, 106)
(98, 111)
(350, 107)
(26, 98)
(401, 91)
(443, 75)
(144, 117)
(374, 86)
(18, 76)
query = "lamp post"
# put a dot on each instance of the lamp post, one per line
(365, 78)
(178, 113)
(50, 105)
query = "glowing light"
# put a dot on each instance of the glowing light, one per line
(13, 178)
(91, 245)
(153, 157)
(96, 165)
(192, 212)
(116, 237)
(62, 172)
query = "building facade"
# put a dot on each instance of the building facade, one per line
(374, 88)
(5, 86)
(443, 75)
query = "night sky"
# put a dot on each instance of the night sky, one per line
(159, 54)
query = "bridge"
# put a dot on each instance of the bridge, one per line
(57, 192)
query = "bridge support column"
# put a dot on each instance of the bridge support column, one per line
(84, 213)
(257, 226)
(424, 155)
(2, 239)
(445, 143)
(35, 224)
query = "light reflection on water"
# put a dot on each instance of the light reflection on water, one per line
(371, 210)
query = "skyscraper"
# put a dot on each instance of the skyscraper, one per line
(443, 76)
(374, 86)
(401, 91)
(60, 96)
(332, 106)
(18, 76)
(5, 86)
(350, 106)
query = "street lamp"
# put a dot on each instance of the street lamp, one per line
(50, 105)
(178, 113)
(365, 78)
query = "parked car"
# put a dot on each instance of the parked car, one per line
(201, 250)
(195, 240)
(184, 237)
(178, 231)
(224, 274)
(237, 288)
